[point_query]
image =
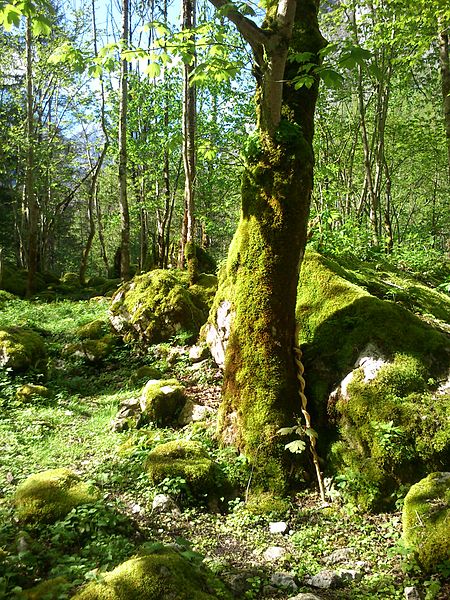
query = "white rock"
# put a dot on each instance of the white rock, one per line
(412, 593)
(278, 527)
(198, 353)
(305, 596)
(191, 413)
(339, 556)
(284, 581)
(324, 580)
(163, 504)
(274, 553)
(216, 336)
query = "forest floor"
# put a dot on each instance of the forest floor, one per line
(72, 429)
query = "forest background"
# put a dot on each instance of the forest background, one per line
(382, 139)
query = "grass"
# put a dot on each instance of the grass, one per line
(72, 429)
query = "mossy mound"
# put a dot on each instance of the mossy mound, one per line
(145, 372)
(6, 297)
(395, 424)
(92, 350)
(49, 496)
(426, 520)
(71, 279)
(155, 306)
(161, 401)
(27, 392)
(187, 460)
(14, 280)
(52, 589)
(92, 331)
(163, 575)
(21, 349)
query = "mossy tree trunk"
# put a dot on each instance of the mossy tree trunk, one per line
(260, 392)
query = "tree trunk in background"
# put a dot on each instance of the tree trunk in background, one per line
(187, 249)
(123, 199)
(260, 392)
(30, 196)
(444, 62)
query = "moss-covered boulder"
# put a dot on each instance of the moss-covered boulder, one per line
(146, 372)
(155, 306)
(71, 279)
(162, 575)
(30, 391)
(426, 520)
(92, 350)
(187, 460)
(21, 349)
(161, 401)
(94, 330)
(14, 280)
(49, 496)
(51, 589)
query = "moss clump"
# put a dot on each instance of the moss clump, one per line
(163, 575)
(21, 349)
(97, 350)
(155, 306)
(91, 331)
(29, 391)
(426, 520)
(6, 297)
(187, 460)
(49, 496)
(71, 279)
(52, 589)
(267, 504)
(145, 372)
(162, 401)
(14, 280)
(392, 426)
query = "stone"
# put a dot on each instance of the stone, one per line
(198, 353)
(29, 391)
(412, 593)
(128, 415)
(162, 401)
(278, 527)
(192, 413)
(50, 495)
(305, 596)
(217, 334)
(284, 581)
(21, 349)
(324, 579)
(274, 553)
(164, 504)
(340, 555)
(426, 520)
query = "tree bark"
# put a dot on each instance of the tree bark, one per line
(30, 195)
(260, 392)
(187, 248)
(123, 199)
(444, 62)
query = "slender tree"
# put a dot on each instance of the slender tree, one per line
(260, 392)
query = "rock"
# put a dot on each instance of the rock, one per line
(175, 354)
(426, 520)
(164, 504)
(128, 415)
(49, 496)
(162, 401)
(305, 596)
(164, 574)
(412, 593)
(278, 527)
(198, 366)
(155, 306)
(91, 331)
(198, 353)
(192, 413)
(92, 350)
(21, 349)
(274, 553)
(340, 555)
(217, 334)
(29, 391)
(284, 581)
(350, 575)
(187, 460)
(146, 372)
(325, 580)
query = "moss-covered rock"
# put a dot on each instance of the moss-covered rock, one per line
(14, 280)
(92, 350)
(155, 306)
(187, 460)
(6, 297)
(52, 589)
(393, 422)
(29, 391)
(145, 372)
(163, 575)
(426, 520)
(21, 349)
(71, 279)
(161, 401)
(92, 331)
(50, 495)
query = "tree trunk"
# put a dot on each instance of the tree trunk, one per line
(260, 392)
(445, 82)
(123, 199)
(187, 249)
(30, 196)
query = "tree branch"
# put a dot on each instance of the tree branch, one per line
(249, 30)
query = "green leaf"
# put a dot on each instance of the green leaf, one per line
(41, 26)
(310, 432)
(287, 430)
(331, 78)
(296, 447)
(152, 70)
